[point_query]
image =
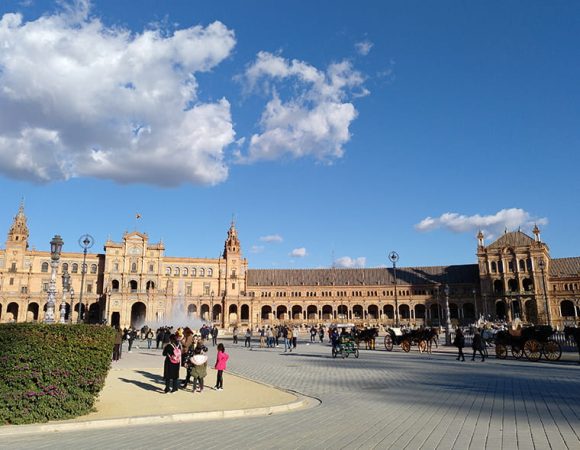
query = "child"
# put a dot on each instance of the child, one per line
(198, 367)
(220, 366)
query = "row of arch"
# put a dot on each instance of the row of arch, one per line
(33, 309)
(65, 266)
(194, 271)
(522, 265)
(513, 285)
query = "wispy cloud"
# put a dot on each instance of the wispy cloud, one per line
(364, 47)
(298, 252)
(315, 118)
(493, 224)
(350, 263)
(257, 249)
(271, 238)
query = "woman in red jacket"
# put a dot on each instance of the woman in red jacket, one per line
(220, 366)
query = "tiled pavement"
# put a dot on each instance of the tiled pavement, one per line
(382, 400)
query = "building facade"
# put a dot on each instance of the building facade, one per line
(133, 282)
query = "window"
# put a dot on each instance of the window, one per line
(185, 271)
(206, 288)
(209, 272)
(233, 286)
(44, 267)
(188, 289)
(75, 268)
(13, 267)
(133, 267)
(89, 288)
(24, 290)
(151, 267)
(201, 272)
(168, 271)
(45, 286)
(116, 267)
(93, 268)
(11, 281)
(115, 285)
(64, 267)
(193, 272)
(176, 270)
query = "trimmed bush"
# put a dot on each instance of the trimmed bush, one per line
(51, 372)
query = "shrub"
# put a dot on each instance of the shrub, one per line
(51, 372)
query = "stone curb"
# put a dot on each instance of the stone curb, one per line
(303, 402)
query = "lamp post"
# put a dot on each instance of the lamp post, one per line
(65, 289)
(474, 292)
(211, 307)
(448, 317)
(86, 241)
(542, 266)
(72, 302)
(55, 249)
(394, 257)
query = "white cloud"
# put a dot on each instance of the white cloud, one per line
(271, 238)
(364, 47)
(257, 249)
(298, 252)
(493, 224)
(315, 120)
(81, 99)
(350, 263)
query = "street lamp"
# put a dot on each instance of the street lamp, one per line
(394, 257)
(86, 241)
(473, 291)
(542, 266)
(448, 314)
(72, 302)
(65, 289)
(55, 249)
(211, 309)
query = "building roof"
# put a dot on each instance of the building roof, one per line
(512, 239)
(565, 267)
(468, 273)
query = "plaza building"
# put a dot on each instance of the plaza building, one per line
(133, 282)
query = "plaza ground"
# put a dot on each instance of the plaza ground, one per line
(381, 400)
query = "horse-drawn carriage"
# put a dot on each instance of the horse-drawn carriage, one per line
(345, 346)
(422, 337)
(531, 342)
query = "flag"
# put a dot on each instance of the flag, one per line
(137, 216)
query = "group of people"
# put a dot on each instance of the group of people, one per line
(188, 350)
(477, 344)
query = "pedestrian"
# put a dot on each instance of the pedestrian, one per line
(214, 335)
(235, 335)
(158, 337)
(269, 338)
(477, 345)
(312, 334)
(220, 366)
(118, 344)
(131, 338)
(262, 337)
(149, 337)
(321, 334)
(288, 338)
(248, 341)
(172, 353)
(198, 367)
(295, 337)
(459, 342)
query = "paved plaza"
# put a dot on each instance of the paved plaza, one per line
(382, 400)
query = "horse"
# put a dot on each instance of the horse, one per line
(574, 333)
(431, 337)
(368, 336)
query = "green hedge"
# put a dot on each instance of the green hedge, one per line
(51, 372)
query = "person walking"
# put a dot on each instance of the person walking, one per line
(132, 336)
(214, 335)
(235, 335)
(477, 345)
(117, 345)
(220, 366)
(288, 338)
(248, 340)
(158, 337)
(262, 337)
(172, 353)
(459, 342)
(312, 334)
(149, 337)
(295, 332)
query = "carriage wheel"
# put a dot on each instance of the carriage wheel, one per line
(517, 351)
(422, 344)
(532, 350)
(389, 343)
(552, 350)
(406, 346)
(500, 351)
(356, 353)
(343, 353)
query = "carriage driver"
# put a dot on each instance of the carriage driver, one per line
(334, 338)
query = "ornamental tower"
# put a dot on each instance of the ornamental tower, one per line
(18, 233)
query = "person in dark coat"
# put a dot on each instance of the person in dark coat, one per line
(172, 353)
(459, 342)
(118, 344)
(214, 335)
(477, 345)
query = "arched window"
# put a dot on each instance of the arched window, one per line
(522, 265)
(193, 271)
(44, 267)
(134, 267)
(500, 266)
(201, 272)
(493, 267)
(64, 267)
(168, 271)
(176, 272)
(529, 264)
(133, 285)
(93, 268)
(115, 285)
(185, 271)
(567, 308)
(75, 268)
(209, 272)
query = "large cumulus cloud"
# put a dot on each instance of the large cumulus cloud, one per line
(78, 98)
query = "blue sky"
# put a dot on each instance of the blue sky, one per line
(331, 131)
